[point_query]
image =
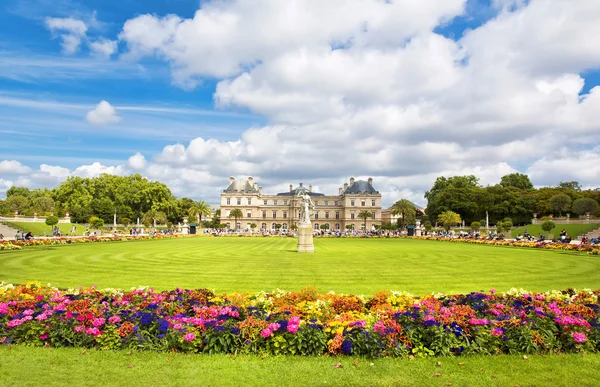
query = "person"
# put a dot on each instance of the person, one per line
(1, 237)
(73, 230)
(29, 236)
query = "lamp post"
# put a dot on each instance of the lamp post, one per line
(115, 220)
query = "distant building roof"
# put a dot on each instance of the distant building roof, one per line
(299, 189)
(242, 186)
(360, 187)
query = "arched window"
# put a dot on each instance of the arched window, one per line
(337, 226)
(228, 225)
(284, 227)
(273, 226)
(316, 226)
(263, 226)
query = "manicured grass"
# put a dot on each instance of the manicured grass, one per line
(27, 366)
(38, 228)
(360, 266)
(573, 230)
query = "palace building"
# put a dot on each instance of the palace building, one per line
(332, 212)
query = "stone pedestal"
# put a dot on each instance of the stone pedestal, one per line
(305, 239)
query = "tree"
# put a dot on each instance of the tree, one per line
(448, 219)
(560, 203)
(253, 226)
(460, 194)
(125, 221)
(199, 209)
(517, 180)
(364, 214)
(348, 227)
(584, 206)
(277, 226)
(324, 226)
(507, 225)
(475, 226)
(52, 220)
(236, 214)
(96, 222)
(154, 217)
(17, 203)
(103, 208)
(574, 185)
(43, 204)
(406, 210)
(428, 226)
(548, 226)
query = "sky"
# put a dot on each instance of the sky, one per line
(192, 92)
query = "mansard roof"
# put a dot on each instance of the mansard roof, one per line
(299, 189)
(242, 186)
(360, 187)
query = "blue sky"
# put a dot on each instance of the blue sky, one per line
(222, 88)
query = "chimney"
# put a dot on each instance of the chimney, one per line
(345, 186)
(310, 188)
(259, 189)
(351, 181)
(250, 180)
(340, 190)
(291, 188)
(370, 180)
(231, 179)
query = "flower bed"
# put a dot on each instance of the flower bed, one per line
(18, 245)
(301, 323)
(590, 249)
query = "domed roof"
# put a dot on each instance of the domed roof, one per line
(241, 186)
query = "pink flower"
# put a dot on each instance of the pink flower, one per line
(92, 331)
(189, 337)
(98, 322)
(78, 328)
(295, 320)
(44, 336)
(292, 328)
(478, 321)
(28, 312)
(266, 333)
(42, 317)
(14, 323)
(3, 307)
(274, 326)
(492, 291)
(497, 332)
(177, 326)
(579, 337)
(114, 320)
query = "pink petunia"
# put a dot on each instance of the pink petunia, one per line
(78, 328)
(497, 332)
(292, 328)
(189, 337)
(98, 322)
(579, 337)
(266, 333)
(114, 320)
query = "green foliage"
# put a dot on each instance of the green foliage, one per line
(253, 226)
(125, 221)
(199, 209)
(560, 203)
(585, 206)
(236, 214)
(507, 225)
(460, 194)
(324, 226)
(449, 219)
(475, 226)
(406, 210)
(516, 180)
(364, 215)
(17, 203)
(96, 223)
(43, 204)
(574, 185)
(548, 226)
(428, 226)
(52, 220)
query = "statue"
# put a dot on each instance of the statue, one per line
(306, 208)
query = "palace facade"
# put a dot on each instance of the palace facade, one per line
(333, 212)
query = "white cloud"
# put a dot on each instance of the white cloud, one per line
(13, 167)
(137, 162)
(103, 114)
(70, 30)
(103, 47)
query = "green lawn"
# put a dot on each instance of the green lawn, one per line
(573, 230)
(38, 228)
(361, 266)
(26, 366)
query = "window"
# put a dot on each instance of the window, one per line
(352, 215)
(249, 201)
(285, 202)
(326, 215)
(265, 202)
(228, 201)
(373, 203)
(274, 214)
(273, 226)
(373, 214)
(227, 212)
(228, 225)
(316, 226)
(264, 214)
(335, 202)
(352, 227)
(263, 226)
(239, 201)
(274, 202)
(284, 214)
(249, 214)
(284, 227)
(337, 226)
(337, 214)
(239, 226)
(363, 203)
(316, 202)
(326, 202)
(352, 203)
(316, 214)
